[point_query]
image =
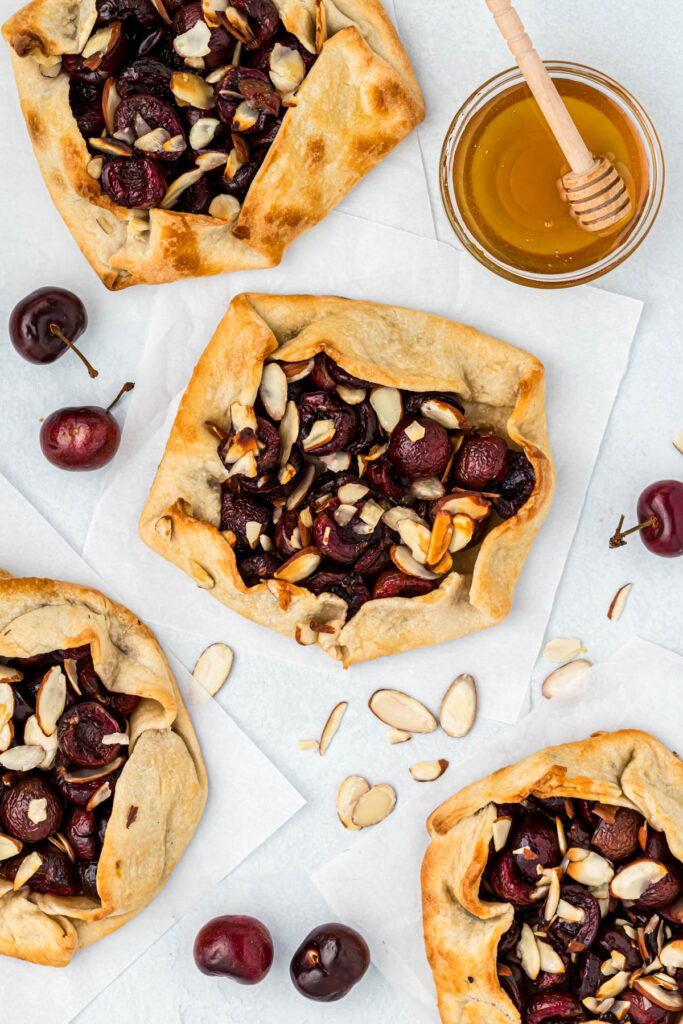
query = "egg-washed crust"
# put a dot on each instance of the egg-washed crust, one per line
(356, 104)
(625, 769)
(160, 794)
(499, 385)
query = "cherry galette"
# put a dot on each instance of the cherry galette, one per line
(322, 485)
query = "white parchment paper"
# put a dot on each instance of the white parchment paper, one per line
(583, 337)
(249, 799)
(375, 884)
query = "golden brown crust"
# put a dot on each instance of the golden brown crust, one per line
(358, 102)
(163, 778)
(499, 384)
(626, 769)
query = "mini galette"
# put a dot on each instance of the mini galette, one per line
(553, 889)
(179, 139)
(363, 477)
(102, 783)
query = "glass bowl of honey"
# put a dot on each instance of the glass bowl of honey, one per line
(501, 168)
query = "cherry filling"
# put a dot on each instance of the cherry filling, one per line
(63, 744)
(181, 101)
(361, 491)
(597, 933)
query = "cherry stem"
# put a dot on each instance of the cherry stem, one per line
(617, 541)
(54, 329)
(126, 387)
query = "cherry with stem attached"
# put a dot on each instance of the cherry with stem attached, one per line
(47, 322)
(82, 437)
(660, 515)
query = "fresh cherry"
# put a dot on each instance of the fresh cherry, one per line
(81, 438)
(329, 962)
(660, 519)
(234, 946)
(44, 324)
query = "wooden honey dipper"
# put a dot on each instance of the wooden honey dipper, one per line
(594, 188)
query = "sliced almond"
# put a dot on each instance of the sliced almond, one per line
(51, 699)
(614, 986)
(22, 758)
(463, 530)
(371, 513)
(349, 494)
(177, 187)
(101, 794)
(459, 706)
(568, 912)
(50, 71)
(195, 42)
(37, 810)
(27, 869)
(112, 147)
(388, 406)
(213, 667)
(252, 531)
(443, 413)
(152, 142)
(350, 792)
(297, 370)
(619, 602)
(678, 441)
(210, 160)
(632, 881)
(9, 847)
(550, 959)
(273, 390)
(6, 704)
(110, 103)
(415, 431)
(374, 806)
(400, 711)
(659, 995)
(202, 132)
(337, 462)
(331, 726)
(591, 870)
(473, 505)
(321, 433)
(352, 396)
(287, 68)
(6, 736)
(563, 676)
(301, 565)
(289, 431)
(428, 771)
(442, 531)
(393, 516)
(562, 649)
(79, 775)
(114, 739)
(552, 901)
(99, 42)
(225, 207)
(561, 836)
(71, 673)
(238, 25)
(501, 831)
(63, 844)
(671, 955)
(10, 675)
(426, 488)
(403, 560)
(398, 736)
(529, 953)
(34, 737)
(301, 489)
(343, 514)
(245, 117)
(309, 745)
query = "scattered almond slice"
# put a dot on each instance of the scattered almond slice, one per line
(633, 880)
(71, 673)
(400, 711)
(9, 847)
(619, 602)
(428, 771)
(92, 774)
(6, 704)
(37, 810)
(10, 675)
(591, 869)
(113, 739)
(672, 954)
(273, 390)
(101, 794)
(6, 736)
(459, 706)
(658, 994)
(27, 869)
(35, 737)
(22, 758)
(331, 726)
(550, 959)
(678, 441)
(213, 667)
(561, 677)
(51, 699)
(388, 406)
(501, 831)
(562, 649)
(309, 745)
(374, 806)
(414, 431)
(529, 953)
(350, 792)
(398, 736)
(301, 565)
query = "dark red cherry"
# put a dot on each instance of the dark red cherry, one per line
(618, 840)
(614, 938)
(513, 983)
(85, 101)
(137, 183)
(536, 836)
(660, 519)
(508, 883)
(55, 875)
(260, 566)
(44, 324)
(381, 476)
(583, 932)
(86, 878)
(145, 75)
(155, 113)
(320, 374)
(318, 405)
(237, 511)
(516, 487)
(427, 455)
(143, 11)
(80, 438)
(252, 93)
(234, 946)
(394, 583)
(80, 828)
(102, 63)
(15, 809)
(348, 586)
(81, 734)
(262, 22)
(80, 792)
(375, 560)
(221, 44)
(480, 461)
(554, 1006)
(329, 962)
(642, 1011)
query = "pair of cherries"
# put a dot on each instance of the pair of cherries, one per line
(42, 327)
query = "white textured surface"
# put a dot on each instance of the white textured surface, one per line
(455, 48)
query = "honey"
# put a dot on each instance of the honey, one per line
(507, 166)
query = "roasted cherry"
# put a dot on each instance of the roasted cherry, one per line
(394, 583)
(237, 512)
(138, 183)
(642, 1011)
(577, 933)
(254, 22)
(287, 535)
(317, 406)
(31, 809)
(85, 101)
(320, 374)
(367, 432)
(234, 946)
(513, 984)
(508, 883)
(245, 97)
(329, 962)
(516, 487)
(349, 586)
(55, 874)
(86, 876)
(80, 828)
(102, 62)
(614, 938)
(554, 1007)
(343, 544)
(220, 43)
(480, 461)
(154, 113)
(143, 11)
(81, 734)
(412, 404)
(258, 567)
(660, 519)
(381, 476)
(44, 324)
(536, 836)
(375, 560)
(618, 840)
(83, 437)
(145, 75)
(419, 447)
